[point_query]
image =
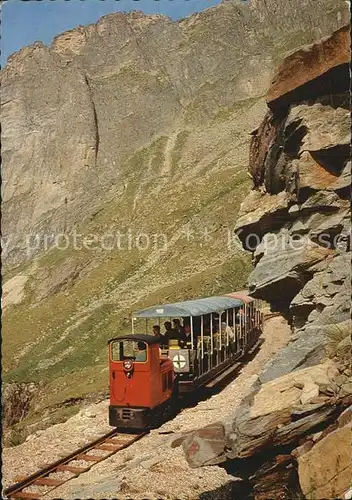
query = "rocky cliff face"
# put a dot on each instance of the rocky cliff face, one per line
(300, 229)
(291, 437)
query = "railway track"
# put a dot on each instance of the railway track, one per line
(54, 475)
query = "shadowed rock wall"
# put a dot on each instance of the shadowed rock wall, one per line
(296, 220)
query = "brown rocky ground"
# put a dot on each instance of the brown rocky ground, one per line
(149, 468)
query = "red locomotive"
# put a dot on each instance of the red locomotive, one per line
(149, 373)
(142, 383)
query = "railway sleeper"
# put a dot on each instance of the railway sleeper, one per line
(108, 447)
(47, 481)
(25, 495)
(70, 468)
(117, 441)
(90, 458)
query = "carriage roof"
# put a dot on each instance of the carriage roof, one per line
(241, 295)
(187, 308)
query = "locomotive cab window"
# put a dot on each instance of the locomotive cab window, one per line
(129, 349)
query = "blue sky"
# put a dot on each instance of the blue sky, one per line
(25, 21)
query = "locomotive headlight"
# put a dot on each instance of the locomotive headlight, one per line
(127, 365)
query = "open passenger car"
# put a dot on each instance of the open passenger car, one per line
(222, 329)
(149, 373)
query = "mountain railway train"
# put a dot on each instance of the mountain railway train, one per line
(150, 373)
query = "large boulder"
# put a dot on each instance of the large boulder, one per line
(278, 415)
(323, 288)
(344, 180)
(283, 264)
(312, 174)
(260, 213)
(320, 127)
(335, 452)
(303, 67)
(305, 350)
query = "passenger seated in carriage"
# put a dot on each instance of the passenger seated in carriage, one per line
(178, 327)
(176, 333)
(187, 329)
(227, 331)
(156, 332)
(168, 328)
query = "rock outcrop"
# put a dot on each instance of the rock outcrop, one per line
(299, 77)
(278, 431)
(296, 220)
(291, 437)
(333, 479)
(16, 402)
